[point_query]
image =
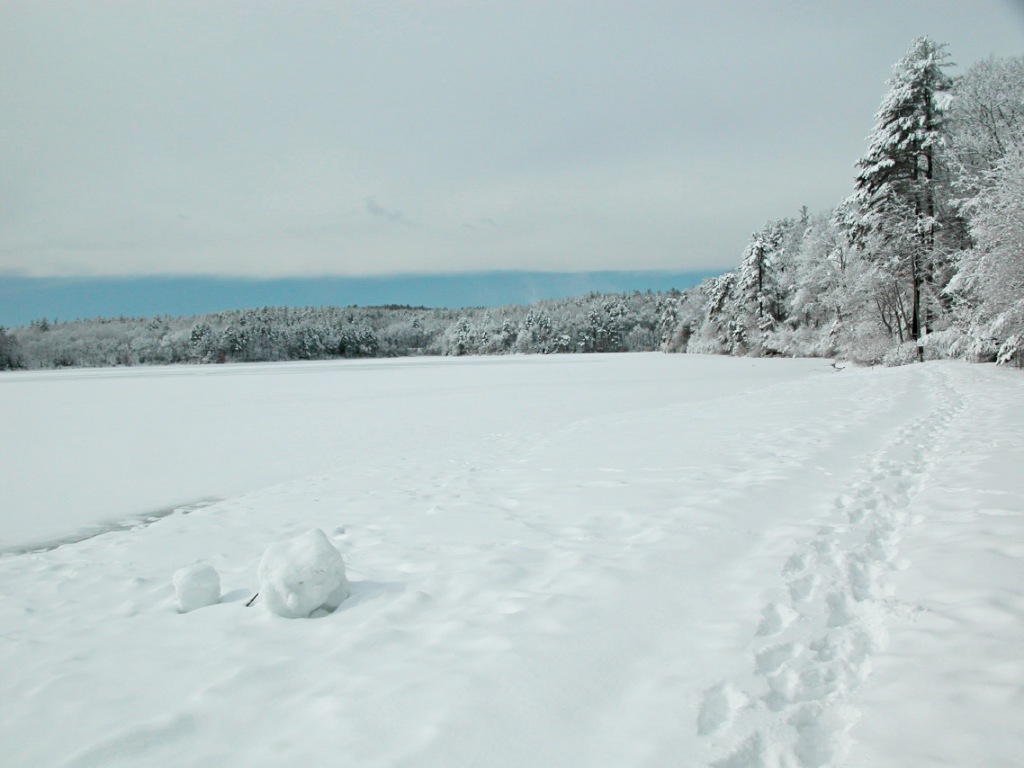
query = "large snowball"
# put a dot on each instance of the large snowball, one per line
(302, 575)
(197, 586)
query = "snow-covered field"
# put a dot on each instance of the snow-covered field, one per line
(626, 560)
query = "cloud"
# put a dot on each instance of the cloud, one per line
(378, 211)
(242, 139)
(480, 223)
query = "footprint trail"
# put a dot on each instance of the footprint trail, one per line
(814, 643)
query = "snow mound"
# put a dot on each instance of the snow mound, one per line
(197, 586)
(302, 575)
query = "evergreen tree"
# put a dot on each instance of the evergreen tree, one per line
(759, 285)
(717, 334)
(896, 187)
(9, 355)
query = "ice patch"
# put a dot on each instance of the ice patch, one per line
(302, 576)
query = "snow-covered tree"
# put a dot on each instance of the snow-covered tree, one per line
(928, 253)
(10, 357)
(761, 286)
(991, 276)
(814, 278)
(985, 117)
(535, 332)
(717, 333)
(897, 185)
(904, 146)
(201, 342)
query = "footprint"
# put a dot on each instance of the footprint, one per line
(818, 682)
(796, 564)
(717, 712)
(857, 515)
(845, 501)
(770, 660)
(775, 618)
(783, 689)
(801, 590)
(826, 547)
(841, 610)
(827, 649)
(821, 732)
(864, 577)
(881, 543)
(753, 753)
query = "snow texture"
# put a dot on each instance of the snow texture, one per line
(196, 586)
(579, 561)
(303, 576)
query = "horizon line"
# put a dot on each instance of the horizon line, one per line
(25, 299)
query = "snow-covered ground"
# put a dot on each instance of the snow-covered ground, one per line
(626, 560)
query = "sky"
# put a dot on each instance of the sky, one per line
(263, 139)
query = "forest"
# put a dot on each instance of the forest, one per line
(924, 259)
(593, 323)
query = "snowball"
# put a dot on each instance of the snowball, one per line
(197, 586)
(302, 575)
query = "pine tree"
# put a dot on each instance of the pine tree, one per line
(896, 186)
(904, 146)
(758, 283)
(9, 355)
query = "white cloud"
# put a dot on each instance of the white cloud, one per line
(274, 139)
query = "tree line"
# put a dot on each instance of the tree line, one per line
(924, 259)
(593, 323)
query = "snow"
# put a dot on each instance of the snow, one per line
(623, 560)
(303, 575)
(196, 586)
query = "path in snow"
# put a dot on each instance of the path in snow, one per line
(714, 562)
(815, 641)
(949, 690)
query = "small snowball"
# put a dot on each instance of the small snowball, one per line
(197, 586)
(302, 575)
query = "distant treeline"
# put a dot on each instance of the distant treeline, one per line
(594, 323)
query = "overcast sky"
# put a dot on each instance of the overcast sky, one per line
(354, 138)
